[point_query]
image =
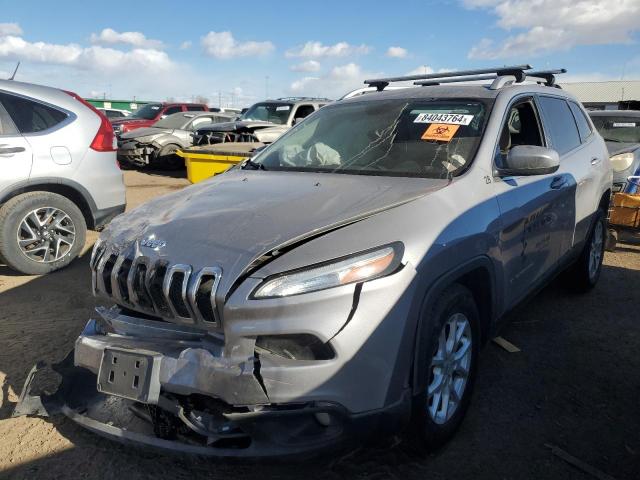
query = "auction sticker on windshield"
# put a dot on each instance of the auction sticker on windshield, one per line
(447, 118)
(440, 132)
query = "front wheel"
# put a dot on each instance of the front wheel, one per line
(449, 356)
(167, 159)
(40, 232)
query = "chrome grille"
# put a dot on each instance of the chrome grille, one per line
(174, 292)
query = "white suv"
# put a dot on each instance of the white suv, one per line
(59, 175)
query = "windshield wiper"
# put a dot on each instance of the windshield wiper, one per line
(612, 140)
(253, 165)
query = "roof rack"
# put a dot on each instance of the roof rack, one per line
(501, 76)
(516, 71)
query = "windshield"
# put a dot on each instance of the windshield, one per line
(618, 128)
(426, 138)
(148, 112)
(269, 112)
(177, 120)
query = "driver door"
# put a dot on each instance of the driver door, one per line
(533, 208)
(16, 156)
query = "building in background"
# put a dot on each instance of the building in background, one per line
(610, 95)
(131, 105)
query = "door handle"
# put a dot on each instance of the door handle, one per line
(595, 161)
(6, 150)
(558, 182)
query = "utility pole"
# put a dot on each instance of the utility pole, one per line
(219, 99)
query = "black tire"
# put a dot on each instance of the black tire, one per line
(580, 277)
(425, 433)
(12, 214)
(166, 158)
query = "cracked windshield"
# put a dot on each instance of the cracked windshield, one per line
(433, 139)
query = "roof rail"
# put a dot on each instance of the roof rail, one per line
(549, 76)
(471, 78)
(515, 70)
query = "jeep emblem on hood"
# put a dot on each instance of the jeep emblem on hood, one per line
(152, 243)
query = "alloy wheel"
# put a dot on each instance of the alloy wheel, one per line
(595, 250)
(450, 368)
(46, 234)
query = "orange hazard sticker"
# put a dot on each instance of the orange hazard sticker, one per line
(440, 131)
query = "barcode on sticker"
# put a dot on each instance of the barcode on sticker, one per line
(282, 108)
(448, 118)
(624, 124)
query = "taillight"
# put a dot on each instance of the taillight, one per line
(105, 140)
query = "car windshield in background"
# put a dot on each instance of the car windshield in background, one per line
(269, 112)
(433, 139)
(177, 120)
(148, 112)
(618, 128)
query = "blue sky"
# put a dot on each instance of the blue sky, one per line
(159, 50)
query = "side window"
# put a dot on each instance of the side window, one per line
(200, 121)
(6, 124)
(560, 124)
(303, 111)
(584, 127)
(29, 116)
(195, 108)
(172, 110)
(521, 128)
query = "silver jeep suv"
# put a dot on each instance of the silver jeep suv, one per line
(59, 176)
(344, 279)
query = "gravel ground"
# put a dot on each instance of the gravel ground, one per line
(575, 384)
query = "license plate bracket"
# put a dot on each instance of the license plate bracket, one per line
(130, 375)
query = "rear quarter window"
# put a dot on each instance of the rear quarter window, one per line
(584, 127)
(30, 116)
(559, 124)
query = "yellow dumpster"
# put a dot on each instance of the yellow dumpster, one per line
(208, 160)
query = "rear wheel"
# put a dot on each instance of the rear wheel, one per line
(449, 357)
(40, 232)
(584, 274)
(167, 159)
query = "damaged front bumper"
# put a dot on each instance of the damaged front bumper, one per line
(171, 387)
(135, 153)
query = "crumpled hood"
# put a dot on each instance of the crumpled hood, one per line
(239, 125)
(145, 132)
(233, 219)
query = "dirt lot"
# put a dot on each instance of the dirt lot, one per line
(575, 384)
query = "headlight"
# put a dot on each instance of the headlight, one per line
(360, 267)
(621, 162)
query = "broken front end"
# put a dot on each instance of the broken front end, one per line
(170, 367)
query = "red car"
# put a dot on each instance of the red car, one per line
(151, 113)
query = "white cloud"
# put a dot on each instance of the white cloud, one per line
(223, 46)
(91, 58)
(308, 66)
(319, 50)
(109, 36)
(186, 45)
(334, 83)
(397, 52)
(421, 70)
(10, 29)
(548, 25)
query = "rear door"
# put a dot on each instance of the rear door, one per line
(576, 157)
(16, 156)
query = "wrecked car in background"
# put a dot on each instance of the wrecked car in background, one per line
(621, 132)
(151, 113)
(341, 282)
(263, 122)
(156, 145)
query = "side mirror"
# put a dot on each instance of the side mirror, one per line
(297, 120)
(530, 160)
